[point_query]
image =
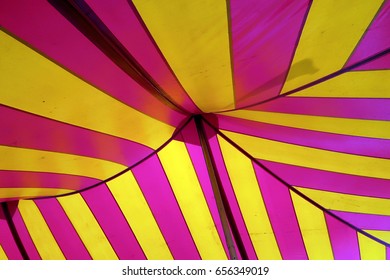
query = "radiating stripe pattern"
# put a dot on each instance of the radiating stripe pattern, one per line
(114, 117)
(57, 122)
(81, 226)
(322, 218)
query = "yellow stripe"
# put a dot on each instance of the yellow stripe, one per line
(30, 192)
(363, 84)
(87, 227)
(34, 84)
(251, 202)
(348, 202)
(311, 157)
(194, 38)
(370, 249)
(355, 127)
(21, 159)
(139, 216)
(3, 255)
(313, 228)
(182, 177)
(39, 231)
(332, 31)
(381, 234)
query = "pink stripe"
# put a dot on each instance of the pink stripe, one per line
(382, 63)
(61, 137)
(343, 239)
(166, 211)
(191, 139)
(47, 30)
(365, 221)
(376, 39)
(24, 235)
(123, 22)
(353, 108)
(282, 215)
(113, 223)
(62, 230)
(230, 195)
(322, 140)
(264, 35)
(7, 241)
(27, 179)
(330, 181)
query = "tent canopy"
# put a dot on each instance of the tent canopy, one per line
(195, 129)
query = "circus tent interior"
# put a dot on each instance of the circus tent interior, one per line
(187, 130)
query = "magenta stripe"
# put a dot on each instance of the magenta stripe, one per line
(113, 223)
(382, 63)
(44, 28)
(7, 241)
(62, 230)
(231, 197)
(191, 139)
(264, 35)
(365, 221)
(162, 202)
(343, 239)
(330, 181)
(376, 39)
(282, 215)
(387, 253)
(61, 137)
(322, 140)
(25, 236)
(28, 179)
(353, 108)
(122, 21)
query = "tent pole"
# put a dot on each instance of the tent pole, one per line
(216, 186)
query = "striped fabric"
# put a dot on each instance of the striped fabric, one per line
(195, 129)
